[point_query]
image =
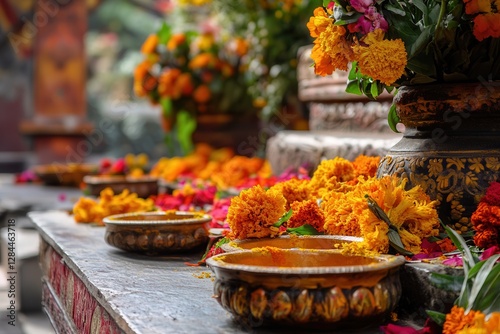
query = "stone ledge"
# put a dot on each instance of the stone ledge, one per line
(298, 148)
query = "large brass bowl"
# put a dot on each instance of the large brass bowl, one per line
(157, 232)
(307, 288)
(291, 241)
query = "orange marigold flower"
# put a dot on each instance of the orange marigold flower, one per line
(176, 40)
(202, 94)
(331, 44)
(253, 213)
(381, 59)
(167, 83)
(486, 25)
(457, 320)
(323, 64)
(493, 323)
(239, 46)
(307, 212)
(149, 45)
(486, 222)
(329, 173)
(293, 190)
(203, 60)
(366, 166)
(318, 22)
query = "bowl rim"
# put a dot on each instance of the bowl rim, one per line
(116, 220)
(386, 262)
(228, 247)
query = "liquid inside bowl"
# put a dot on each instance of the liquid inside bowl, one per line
(289, 242)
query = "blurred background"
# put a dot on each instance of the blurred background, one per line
(67, 72)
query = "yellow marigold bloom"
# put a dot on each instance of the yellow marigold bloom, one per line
(176, 40)
(329, 174)
(457, 320)
(149, 45)
(380, 59)
(93, 211)
(307, 212)
(205, 42)
(293, 190)
(331, 49)
(265, 171)
(318, 22)
(253, 213)
(412, 211)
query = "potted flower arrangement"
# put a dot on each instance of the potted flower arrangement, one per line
(443, 58)
(191, 72)
(276, 39)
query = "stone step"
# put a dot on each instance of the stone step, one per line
(308, 148)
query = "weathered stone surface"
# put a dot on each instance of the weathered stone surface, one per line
(419, 294)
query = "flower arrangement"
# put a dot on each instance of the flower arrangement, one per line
(342, 188)
(386, 44)
(190, 71)
(275, 37)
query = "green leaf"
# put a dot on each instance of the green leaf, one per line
(284, 218)
(392, 233)
(395, 10)
(353, 87)
(438, 317)
(395, 242)
(393, 118)
(222, 241)
(166, 105)
(186, 124)
(447, 282)
(164, 33)
(483, 281)
(305, 229)
(377, 210)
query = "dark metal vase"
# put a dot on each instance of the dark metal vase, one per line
(451, 146)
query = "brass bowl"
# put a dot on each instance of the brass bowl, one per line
(157, 232)
(309, 288)
(291, 241)
(143, 186)
(70, 175)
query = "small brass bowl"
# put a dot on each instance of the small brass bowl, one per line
(143, 186)
(307, 288)
(291, 241)
(157, 232)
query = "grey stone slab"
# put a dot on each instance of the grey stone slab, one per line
(142, 294)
